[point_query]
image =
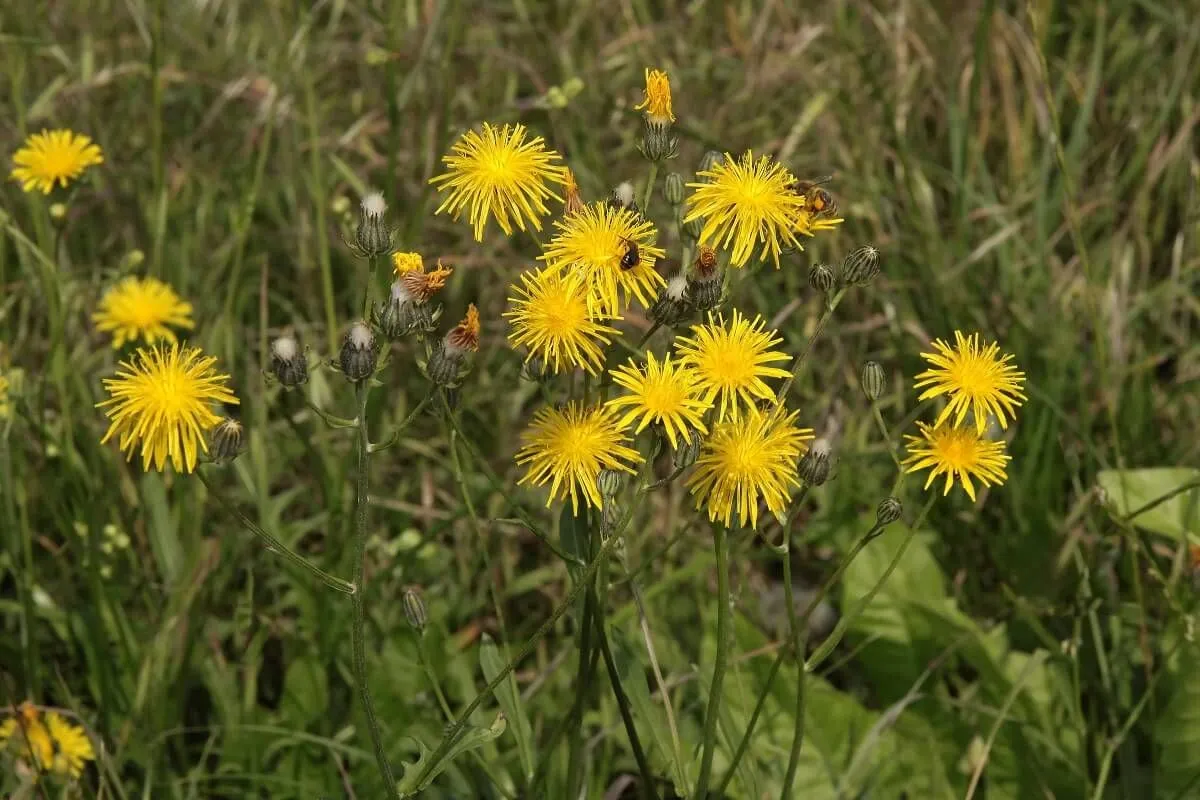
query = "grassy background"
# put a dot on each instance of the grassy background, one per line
(1026, 171)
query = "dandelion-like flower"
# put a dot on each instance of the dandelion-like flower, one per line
(407, 262)
(53, 744)
(568, 447)
(976, 378)
(732, 361)
(5, 406)
(593, 242)
(548, 314)
(50, 157)
(160, 401)
(959, 453)
(142, 308)
(496, 173)
(746, 202)
(663, 392)
(657, 97)
(746, 460)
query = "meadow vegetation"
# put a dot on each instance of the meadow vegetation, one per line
(359, 589)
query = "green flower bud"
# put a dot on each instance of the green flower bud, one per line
(225, 441)
(814, 466)
(658, 142)
(673, 188)
(710, 160)
(821, 278)
(358, 357)
(888, 512)
(414, 609)
(372, 237)
(289, 365)
(860, 267)
(688, 451)
(672, 306)
(873, 380)
(610, 481)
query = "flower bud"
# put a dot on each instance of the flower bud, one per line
(688, 450)
(888, 512)
(658, 142)
(622, 195)
(372, 237)
(711, 160)
(692, 228)
(58, 211)
(672, 306)
(414, 609)
(673, 188)
(402, 313)
(814, 466)
(821, 278)
(225, 441)
(358, 357)
(860, 267)
(872, 380)
(289, 365)
(449, 353)
(705, 286)
(610, 481)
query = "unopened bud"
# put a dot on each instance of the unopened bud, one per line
(658, 142)
(610, 481)
(534, 369)
(289, 365)
(673, 188)
(225, 441)
(705, 286)
(357, 357)
(872, 380)
(711, 160)
(821, 278)
(58, 211)
(688, 450)
(860, 267)
(672, 305)
(692, 228)
(372, 237)
(888, 512)
(414, 609)
(814, 466)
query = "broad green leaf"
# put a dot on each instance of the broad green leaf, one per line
(573, 535)
(305, 690)
(509, 698)
(471, 738)
(1177, 729)
(163, 528)
(1131, 490)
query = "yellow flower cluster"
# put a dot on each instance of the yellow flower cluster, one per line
(979, 385)
(45, 743)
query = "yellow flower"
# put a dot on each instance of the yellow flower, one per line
(50, 157)
(958, 453)
(549, 316)
(731, 361)
(160, 402)
(50, 742)
(746, 202)
(662, 392)
(568, 447)
(5, 407)
(497, 173)
(407, 262)
(748, 459)
(657, 97)
(976, 378)
(142, 308)
(593, 241)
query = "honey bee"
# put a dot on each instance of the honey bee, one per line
(632, 256)
(820, 202)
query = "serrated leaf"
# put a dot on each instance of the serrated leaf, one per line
(509, 698)
(1130, 490)
(471, 738)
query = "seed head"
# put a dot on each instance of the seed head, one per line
(289, 364)
(358, 357)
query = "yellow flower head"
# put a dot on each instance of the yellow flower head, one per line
(497, 173)
(731, 360)
(746, 202)
(657, 98)
(976, 378)
(160, 401)
(5, 407)
(568, 447)
(663, 392)
(959, 454)
(549, 316)
(51, 157)
(49, 741)
(593, 241)
(748, 459)
(407, 262)
(142, 308)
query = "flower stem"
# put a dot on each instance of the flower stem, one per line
(277, 546)
(583, 691)
(798, 364)
(648, 191)
(797, 641)
(358, 629)
(721, 543)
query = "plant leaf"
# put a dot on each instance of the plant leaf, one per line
(1130, 490)
(509, 698)
(471, 738)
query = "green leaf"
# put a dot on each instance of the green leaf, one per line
(573, 535)
(305, 690)
(471, 738)
(509, 698)
(1132, 490)
(1177, 729)
(163, 528)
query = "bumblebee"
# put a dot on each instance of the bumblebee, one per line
(820, 202)
(632, 256)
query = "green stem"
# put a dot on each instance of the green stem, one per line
(583, 693)
(798, 364)
(653, 329)
(358, 629)
(277, 546)
(584, 580)
(648, 191)
(796, 640)
(844, 623)
(721, 543)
